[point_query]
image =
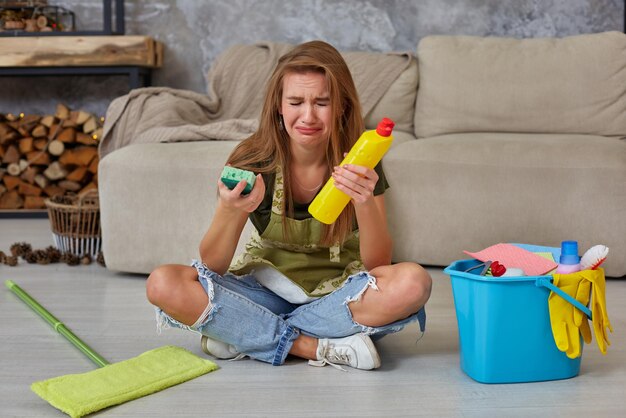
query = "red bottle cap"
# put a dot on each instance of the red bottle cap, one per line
(385, 127)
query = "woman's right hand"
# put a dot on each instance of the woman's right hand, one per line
(231, 214)
(244, 202)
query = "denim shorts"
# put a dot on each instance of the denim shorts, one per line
(262, 325)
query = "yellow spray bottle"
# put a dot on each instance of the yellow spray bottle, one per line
(367, 151)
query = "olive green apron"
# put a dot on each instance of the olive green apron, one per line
(298, 259)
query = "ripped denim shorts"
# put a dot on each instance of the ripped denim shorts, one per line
(262, 325)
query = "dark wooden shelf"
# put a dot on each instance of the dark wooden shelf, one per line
(137, 76)
(23, 214)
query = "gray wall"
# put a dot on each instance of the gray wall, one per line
(195, 32)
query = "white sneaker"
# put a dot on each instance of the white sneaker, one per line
(356, 351)
(219, 349)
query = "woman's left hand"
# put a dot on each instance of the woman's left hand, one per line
(356, 181)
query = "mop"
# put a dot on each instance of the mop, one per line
(112, 384)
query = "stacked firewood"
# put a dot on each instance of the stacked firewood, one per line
(46, 156)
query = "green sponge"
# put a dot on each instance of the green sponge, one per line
(231, 176)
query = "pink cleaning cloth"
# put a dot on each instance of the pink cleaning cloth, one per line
(513, 256)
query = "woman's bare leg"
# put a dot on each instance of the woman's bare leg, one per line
(176, 290)
(403, 289)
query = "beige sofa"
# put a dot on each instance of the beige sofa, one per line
(505, 140)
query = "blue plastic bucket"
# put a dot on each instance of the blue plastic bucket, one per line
(505, 334)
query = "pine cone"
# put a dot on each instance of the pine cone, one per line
(3, 257)
(85, 260)
(10, 260)
(15, 249)
(30, 258)
(100, 259)
(54, 254)
(41, 257)
(70, 259)
(20, 249)
(37, 256)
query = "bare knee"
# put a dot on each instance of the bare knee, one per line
(176, 290)
(408, 288)
(158, 285)
(166, 282)
(417, 283)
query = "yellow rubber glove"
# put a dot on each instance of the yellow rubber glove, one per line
(580, 318)
(599, 314)
(562, 313)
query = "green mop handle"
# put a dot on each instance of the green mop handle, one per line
(56, 324)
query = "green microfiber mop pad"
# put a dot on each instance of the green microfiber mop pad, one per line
(152, 371)
(112, 384)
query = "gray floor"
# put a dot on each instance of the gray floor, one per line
(109, 311)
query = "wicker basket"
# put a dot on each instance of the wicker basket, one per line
(75, 222)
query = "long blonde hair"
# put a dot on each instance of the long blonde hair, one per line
(268, 148)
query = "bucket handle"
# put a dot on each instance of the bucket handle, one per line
(545, 282)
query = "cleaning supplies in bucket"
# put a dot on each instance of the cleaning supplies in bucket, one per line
(576, 281)
(549, 313)
(504, 328)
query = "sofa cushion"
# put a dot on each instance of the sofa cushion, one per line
(469, 191)
(398, 103)
(569, 85)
